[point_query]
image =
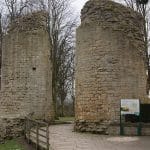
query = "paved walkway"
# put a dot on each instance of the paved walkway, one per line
(62, 137)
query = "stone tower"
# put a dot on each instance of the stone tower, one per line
(110, 63)
(26, 71)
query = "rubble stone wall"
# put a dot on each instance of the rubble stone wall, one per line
(110, 62)
(26, 87)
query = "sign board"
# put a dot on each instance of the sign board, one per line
(130, 106)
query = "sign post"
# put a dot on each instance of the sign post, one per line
(129, 107)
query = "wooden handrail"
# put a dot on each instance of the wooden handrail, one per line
(37, 121)
(33, 127)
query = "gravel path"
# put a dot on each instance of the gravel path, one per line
(62, 137)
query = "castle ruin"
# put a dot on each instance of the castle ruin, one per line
(26, 73)
(111, 64)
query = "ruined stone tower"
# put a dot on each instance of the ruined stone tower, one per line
(110, 64)
(26, 70)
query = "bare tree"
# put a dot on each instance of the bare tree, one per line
(61, 29)
(15, 8)
(61, 33)
(65, 75)
(34, 5)
(1, 38)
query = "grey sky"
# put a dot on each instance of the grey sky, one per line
(78, 4)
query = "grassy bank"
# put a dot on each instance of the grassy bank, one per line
(11, 145)
(66, 118)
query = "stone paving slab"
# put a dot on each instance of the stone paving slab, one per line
(62, 137)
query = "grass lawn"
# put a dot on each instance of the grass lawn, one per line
(66, 119)
(11, 145)
(62, 120)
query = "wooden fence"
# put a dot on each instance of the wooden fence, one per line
(37, 132)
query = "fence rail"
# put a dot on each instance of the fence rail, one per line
(37, 132)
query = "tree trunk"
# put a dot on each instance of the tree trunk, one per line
(62, 108)
(62, 103)
(1, 39)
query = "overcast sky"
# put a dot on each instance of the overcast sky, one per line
(78, 4)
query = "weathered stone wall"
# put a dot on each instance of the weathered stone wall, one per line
(110, 63)
(11, 128)
(26, 70)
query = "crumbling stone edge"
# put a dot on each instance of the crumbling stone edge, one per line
(130, 129)
(11, 128)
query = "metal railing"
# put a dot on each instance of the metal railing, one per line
(37, 132)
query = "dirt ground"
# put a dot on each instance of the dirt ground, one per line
(24, 143)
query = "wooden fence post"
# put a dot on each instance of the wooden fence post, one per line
(37, 136)
(33, 128)
(47, 134)
(25, 127)
(28, 130)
